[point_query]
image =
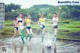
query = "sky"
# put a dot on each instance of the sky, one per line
(30, 3)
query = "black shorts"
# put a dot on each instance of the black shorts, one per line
(16, 28)
(56, 26)
(28, 27)
(43, 26)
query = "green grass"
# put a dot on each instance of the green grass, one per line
(68, 38)
(8, 22)
(64, 28)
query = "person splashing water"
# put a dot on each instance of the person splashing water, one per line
(28, 27)
(41, 22)
(20, 26)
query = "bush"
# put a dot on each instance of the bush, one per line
(8, 23)
(75, 23)
(65, 21)
(72, 26)
(7, 31)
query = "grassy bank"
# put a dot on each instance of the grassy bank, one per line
(67, 29)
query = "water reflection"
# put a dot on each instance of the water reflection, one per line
(36, 46)
(43, 51)
(49, 49)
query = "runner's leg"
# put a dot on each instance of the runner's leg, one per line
(22, 35)
(30, 34)
(27, 34)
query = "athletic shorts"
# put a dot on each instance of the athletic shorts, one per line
(42, 26)
(28, 27)
(56, 26)
(16, 28)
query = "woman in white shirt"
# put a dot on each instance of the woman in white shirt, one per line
(19, 42)
(55, 21)
(20, 26)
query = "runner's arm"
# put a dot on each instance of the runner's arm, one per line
(58, 14)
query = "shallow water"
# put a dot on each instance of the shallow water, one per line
(37, 46)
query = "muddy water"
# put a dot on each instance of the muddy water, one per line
(37, 46)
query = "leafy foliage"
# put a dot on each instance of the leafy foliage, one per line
(68, 11)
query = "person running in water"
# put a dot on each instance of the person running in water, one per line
(20, 26)
(55, 21)
(15, 26)
(28, 27)
(41, 22)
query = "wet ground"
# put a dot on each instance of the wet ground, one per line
(37, 46)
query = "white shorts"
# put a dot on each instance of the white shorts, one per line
(21, 27)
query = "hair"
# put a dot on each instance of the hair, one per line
(27, 16)
(21, 13)
(55, 13)
(15, 17)
(42, 15)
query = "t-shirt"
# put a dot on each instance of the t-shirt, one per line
(55, 21)
(42, 20)
(28, 22)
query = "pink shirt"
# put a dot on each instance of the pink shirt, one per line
(55, 21)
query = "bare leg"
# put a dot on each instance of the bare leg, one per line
(55, 31)
(27, 34)
(15, 48)
(15, 32)
(43, 31)
(19, 32)
(31, 31)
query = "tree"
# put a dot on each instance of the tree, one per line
(10, 7)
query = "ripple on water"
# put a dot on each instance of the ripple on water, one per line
(37, 45)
